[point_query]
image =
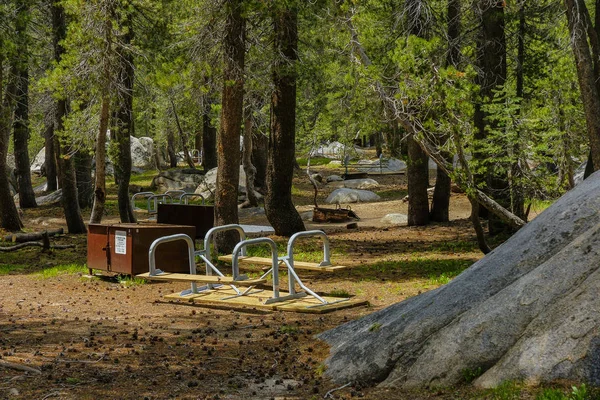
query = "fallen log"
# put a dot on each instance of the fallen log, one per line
(36, 244)
(30, 237)
(19, 367)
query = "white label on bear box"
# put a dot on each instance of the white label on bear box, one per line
(120, 242)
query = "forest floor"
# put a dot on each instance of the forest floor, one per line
(105, 337)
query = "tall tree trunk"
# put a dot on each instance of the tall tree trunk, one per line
(9, 216)
(171, 148)
(100, 177)
(209, 139)
(585, 74)
(70, 201)
(279, 207)
(83, 177)
(418, 163)
(260, 152)
(491, 49)
(249, 169)
(50, 157)
(440, 203)
(228, 139)
(20, 69)
(418, 180)
(124, 128)
(184, 138)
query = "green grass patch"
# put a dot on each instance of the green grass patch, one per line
(443, 278)
(289, 329)
(61, 270)
(506, 391)
(130, 281)
(339, 293)
(314, 161)
(417, 268)
(6, 269)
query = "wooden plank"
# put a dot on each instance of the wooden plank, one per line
(298, 265)
(168, 276)
(256, 300)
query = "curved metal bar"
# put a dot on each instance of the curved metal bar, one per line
(164, 197)
(223, 228)
(326, 257)
(241, 246)
(175, 193)
(140, 194)
(184, 198)
(172, 238)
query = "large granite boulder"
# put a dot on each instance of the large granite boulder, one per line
(344, 195)
(208, 186)
(527, 311)
(177, 179)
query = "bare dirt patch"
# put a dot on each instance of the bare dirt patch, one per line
(105, 337)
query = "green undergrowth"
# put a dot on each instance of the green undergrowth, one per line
(6, 269)
(64, 269)
(438, 270)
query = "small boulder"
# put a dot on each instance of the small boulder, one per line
(141, 156)
(345, 195)
(334, 178)
(395, 219)
(38, 161)
(364, 184)
(52, 198)
(179, 179)
(307, 215)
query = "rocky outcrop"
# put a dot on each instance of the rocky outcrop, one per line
(529, 311)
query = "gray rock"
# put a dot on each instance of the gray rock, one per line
(334, 178)
(38, 161)
(392, 165)
(51, 198)
(209, 184)
(528, 311)
(141, 155)
(344, 195)
(579, 172)
(364, 184)
(395, 219)
(307, 215)
(178, 179)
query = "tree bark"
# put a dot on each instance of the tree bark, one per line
(260, 152)
(124, 127)
(83, 177)
(418, 163)
(20, 69)
(279, 207)
(9, 216)
(440, 203)
(418, 180)
(50, 156)
(491, 48)
(585, 74)
(171, 148)
(184, 138)
(209, 139)
(249, 169)
(228, 140)
(70, 201)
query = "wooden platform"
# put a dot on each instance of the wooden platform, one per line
(306, 304)
(175, 277)
(298, 265)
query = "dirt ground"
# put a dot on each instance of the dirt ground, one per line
(110, 337)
